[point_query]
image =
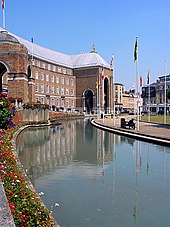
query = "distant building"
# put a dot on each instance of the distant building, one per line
(154, 95)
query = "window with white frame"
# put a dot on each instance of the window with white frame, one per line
(57, 102)
(67, 81)
(67, 104)
(64, 70)
(62, 102)
(72, 103)
(47, 77)
(72, 82)
(57, 79)
(62, 91)
(36, 99)
(36, 87)
(67, 91)
(52, 89)
(49, 67)
(72, 91)
(62, 80)
(42, 100)
(69, 71)
(59, 69)
(57, 91)
(38, 63)
(52, 101)
(54, 68)
(42, 76)
(43, 65)
(47, 88)
(36, 75)
(52, 78)
(42, 88)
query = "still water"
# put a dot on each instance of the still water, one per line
(97, 178)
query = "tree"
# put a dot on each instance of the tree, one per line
(168, 93)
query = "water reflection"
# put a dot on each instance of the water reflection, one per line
(98, 178)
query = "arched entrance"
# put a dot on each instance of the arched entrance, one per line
(3, 82)
(106, 94)
(88, 100)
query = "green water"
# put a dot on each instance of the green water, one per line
(97, 178)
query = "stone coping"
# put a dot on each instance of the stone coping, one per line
(148, 132)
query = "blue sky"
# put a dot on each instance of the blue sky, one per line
(72, 26)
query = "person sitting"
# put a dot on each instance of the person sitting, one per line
(131, 124)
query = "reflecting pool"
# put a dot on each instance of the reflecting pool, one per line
(97, 179)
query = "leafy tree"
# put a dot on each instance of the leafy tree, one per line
(168, 93)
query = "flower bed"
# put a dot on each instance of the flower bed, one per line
(26, 207)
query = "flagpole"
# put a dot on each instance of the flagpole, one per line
(137, 89)
(3, 13)
(165, 93)
(149, 103)
(113, 94)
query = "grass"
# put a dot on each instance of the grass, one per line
(157, 119)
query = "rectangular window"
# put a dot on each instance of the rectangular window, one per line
(42, 100)
(62, 80)
(52, 78)
(64, 70)
(72, 91)
(47, 77)
(42, 76)
(72, 103)
(59, 69)
(38, 63)
(43, 65)
(62, 91)
(67, 81)
(69, 71)
(57, 79)
(49, 67)
(67, 104)
(52, 101)
(57, 90)
(57, 103)
(72, 82)
(62, 102)
(42, 88)
(67, 91)
(36, 75)
(36, 87)
(47, 88)
(54, 68)
(52, 89)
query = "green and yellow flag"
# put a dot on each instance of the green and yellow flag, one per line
(136, 50)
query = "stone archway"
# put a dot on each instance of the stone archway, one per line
(106, 94)
(3, 70)
(88, 100)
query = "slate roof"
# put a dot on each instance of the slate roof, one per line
(72, 61)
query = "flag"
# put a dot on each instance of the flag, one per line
(111, 62)
(96, 84)
(148, 77)
(140, 81)
(136, 50)
(3, 4)
(102, 72)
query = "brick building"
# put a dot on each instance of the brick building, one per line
(82, 82)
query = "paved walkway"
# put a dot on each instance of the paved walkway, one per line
(157, 133)
(6, 219)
